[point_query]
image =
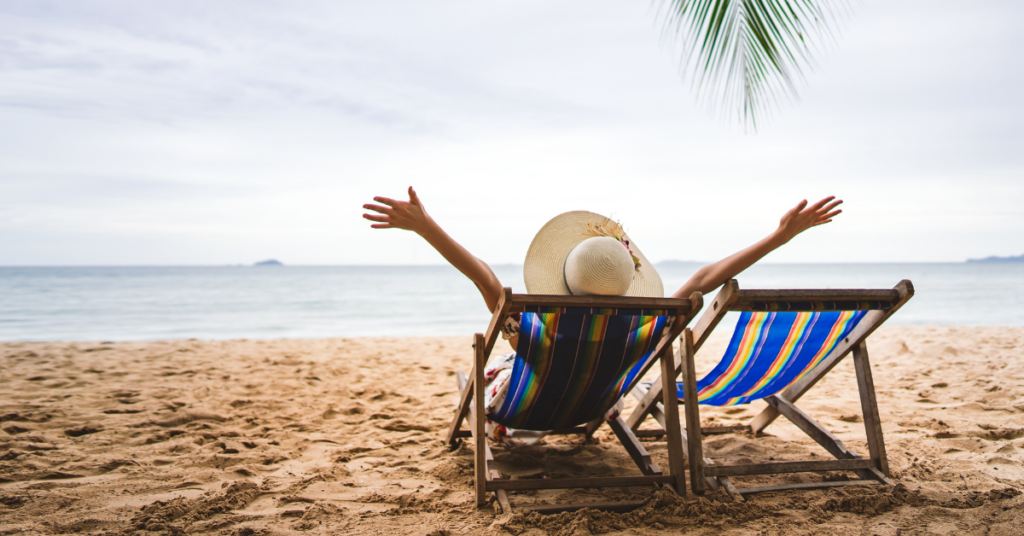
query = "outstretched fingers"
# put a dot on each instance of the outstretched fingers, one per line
(830, 215)
(397, 214)
(378, 208)
(829, 207)
(387, 201)
(818, 206)
(829, 211)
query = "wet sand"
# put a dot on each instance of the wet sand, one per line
(344, 436)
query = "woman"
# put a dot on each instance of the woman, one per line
(580, 253)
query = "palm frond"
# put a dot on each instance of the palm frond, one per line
(745, 54)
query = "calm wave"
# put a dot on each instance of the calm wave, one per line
(149, 303)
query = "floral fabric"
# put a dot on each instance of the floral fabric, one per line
(496, 374)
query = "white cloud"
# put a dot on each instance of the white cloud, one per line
(209, 133)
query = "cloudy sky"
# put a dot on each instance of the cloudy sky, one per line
(199, 132)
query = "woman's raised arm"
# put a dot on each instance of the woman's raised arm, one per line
(797, 220)
(411, 216)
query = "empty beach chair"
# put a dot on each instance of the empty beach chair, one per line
(784, 342)
(576, 357)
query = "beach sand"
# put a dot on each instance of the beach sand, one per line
(345, 436)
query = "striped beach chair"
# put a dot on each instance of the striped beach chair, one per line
(576, 358)
(784, 342)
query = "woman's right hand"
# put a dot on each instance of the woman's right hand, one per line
(409, 215)
(801, 217)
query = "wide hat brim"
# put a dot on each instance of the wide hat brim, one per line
(544, 267)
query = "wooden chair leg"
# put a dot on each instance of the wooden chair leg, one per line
(674, 437)
(634, 447)
(462, 410)
(592, 427)
(869, 407)
(692, 411)
(462, 380)
(493, 330)
(647, 402)
(479, 437)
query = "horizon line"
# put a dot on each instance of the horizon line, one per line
(284, 265)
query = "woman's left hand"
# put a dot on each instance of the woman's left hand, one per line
(803, 217)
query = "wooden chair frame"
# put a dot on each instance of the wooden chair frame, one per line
(487, 478)
(703, 471)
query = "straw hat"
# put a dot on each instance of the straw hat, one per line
(582, 253)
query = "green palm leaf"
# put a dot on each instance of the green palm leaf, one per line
(744, 54)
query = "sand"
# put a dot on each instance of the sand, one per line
(344, 436)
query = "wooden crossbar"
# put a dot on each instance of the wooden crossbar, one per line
(774, 468)
(567, 483)
(807, 485)
(683, 306)
(813, 306)
(705, 430)
(621, 507)
(816, 295)
(580, 430)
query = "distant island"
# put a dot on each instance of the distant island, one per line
(1018, 258)
(269, 262)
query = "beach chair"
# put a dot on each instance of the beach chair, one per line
(785, 341)
(577, 356)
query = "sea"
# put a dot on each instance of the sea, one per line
(267, 302)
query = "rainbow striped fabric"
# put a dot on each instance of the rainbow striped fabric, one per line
(771, 350)
(572, 365)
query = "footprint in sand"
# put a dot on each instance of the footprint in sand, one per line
(1008, 449)
(80, 431)
(1004, 465)
(398, 425)
(995, 433)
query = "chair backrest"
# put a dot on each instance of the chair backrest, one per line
(780, 337)
(769, 351)
(574, 363)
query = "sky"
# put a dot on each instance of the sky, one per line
(229, 132)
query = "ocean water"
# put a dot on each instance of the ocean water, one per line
(153, 303)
